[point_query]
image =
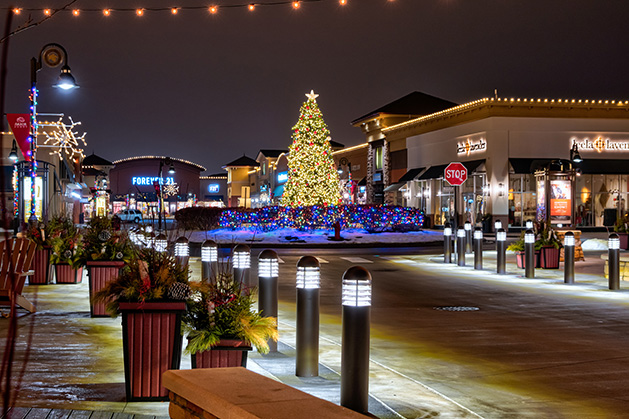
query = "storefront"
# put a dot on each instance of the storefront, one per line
(142, 182)
(503, 143)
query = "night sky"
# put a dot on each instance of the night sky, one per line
(210, 88)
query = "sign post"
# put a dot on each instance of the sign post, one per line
(455, 174)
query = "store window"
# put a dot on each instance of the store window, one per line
(522, 199)
(600, 199)
(474, 199)
(445, 200)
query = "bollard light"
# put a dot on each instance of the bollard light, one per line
(460, 246)
(160, 243)
(478, 248)
(497, 225)
(447, 243)
(182, 247)
(307, 339)
(613, 261)
(501, 238)
(529, 254)
(355, 340)
(468, 237)
(268, 264)
(460, 233)
(568, 257)
(478, 233)
(529, 224)
(467, 226)
(268, 272)
(308, 273)
(242, 257)
(241, 260)
(209, 251)
(613, 242)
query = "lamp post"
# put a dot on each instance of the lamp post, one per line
(52, 55)
(166, 161)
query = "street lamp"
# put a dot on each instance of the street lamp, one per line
(574, 154)
(52, 55)
(13, 153)
(166, 161)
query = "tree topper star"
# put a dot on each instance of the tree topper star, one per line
(312, 95)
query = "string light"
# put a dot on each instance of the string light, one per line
(252, 7)
(17, 11)
(342, 2)
(139, 12)
(76, 12)
(213, 9)
(106, 12)
(47, 12)
(174, 10)
(296, 5)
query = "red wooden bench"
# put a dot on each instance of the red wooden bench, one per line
(16, 259)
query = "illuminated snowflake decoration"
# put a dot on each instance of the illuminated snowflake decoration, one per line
(171, 189)
(63, 138)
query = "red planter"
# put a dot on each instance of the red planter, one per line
(99, 274)
(624, 240)
(65, 274)
(151, 338)
(227, 353)
(519, 259)
(41, 266)
(549, 258)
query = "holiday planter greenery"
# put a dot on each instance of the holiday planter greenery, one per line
(221, 326)
(549, 257)
(66, 274)
(66, 250)
(104, 252)
(150, 293)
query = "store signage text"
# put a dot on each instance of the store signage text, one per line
(600, 144)
(148, 180)
(471, 146)
(213, 188)
(282, 177)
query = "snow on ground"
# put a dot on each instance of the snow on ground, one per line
(594, 244)
(289, 235)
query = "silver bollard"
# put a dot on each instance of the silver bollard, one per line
(182, 251)
(468, 237)
(613, 261)
(501, 258)
(447, 243)
(478, 248)
(568, 258)
(460, 246)
(356, 337)
(209, 260)
(268, 284)
(307, 348)
(529, 254)
(241, 262)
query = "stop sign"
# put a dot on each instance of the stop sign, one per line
(455, 174)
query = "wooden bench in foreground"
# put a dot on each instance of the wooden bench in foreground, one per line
(16, 259)
(235, 393)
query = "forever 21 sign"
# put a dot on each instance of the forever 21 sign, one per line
(455, 174)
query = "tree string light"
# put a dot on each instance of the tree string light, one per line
(213, 9)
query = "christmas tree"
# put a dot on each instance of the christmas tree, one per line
(312, 175)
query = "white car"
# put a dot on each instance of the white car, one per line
(130, 215)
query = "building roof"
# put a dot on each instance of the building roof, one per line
(272, 153)
(243, 161)
(94, 160)
(198, 166)
(336, 146)
(90, 171)
(510, 107)
(413, 104)
(215, 176)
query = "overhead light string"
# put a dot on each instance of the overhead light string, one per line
(174, 10)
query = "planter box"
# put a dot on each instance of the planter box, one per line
(624, 240)
(519, 259)
(227, 353)
(65, 274)
(549, 258)
(99, 274)
(151, 339)
(41, 266)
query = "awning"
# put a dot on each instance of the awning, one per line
(278, 191)
(411, 174)
(363, 181)
(528, 166)
(435, 172)
(394, 187)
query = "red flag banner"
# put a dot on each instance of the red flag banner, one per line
(20, 124)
